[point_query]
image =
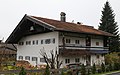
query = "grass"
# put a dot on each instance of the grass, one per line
(106, 73)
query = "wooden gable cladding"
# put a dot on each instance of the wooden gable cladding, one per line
(24, 29)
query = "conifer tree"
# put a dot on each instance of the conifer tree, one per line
(83, 70)
(94, 68)
(103, 67)
(108, 24)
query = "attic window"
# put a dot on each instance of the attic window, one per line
(31, 28)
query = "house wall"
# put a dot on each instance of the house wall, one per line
(83, 41)
(33, 50)
(94, 58)
(97, 59)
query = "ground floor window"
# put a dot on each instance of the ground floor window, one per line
(34, 58)
(42, 60)
(27, 58)
(77, 60)
(67, 61)
(20, 57)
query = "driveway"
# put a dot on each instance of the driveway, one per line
(114, 73)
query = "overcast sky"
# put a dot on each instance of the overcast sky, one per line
(86, 11)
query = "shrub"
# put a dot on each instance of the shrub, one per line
(47, 71)
(110, 67)
(116, 66)
(69, 72)
(22, 72)
(93, 69)
(62, 73)
(103, 67)
(83, 71)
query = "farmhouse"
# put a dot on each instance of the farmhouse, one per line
(75, 42)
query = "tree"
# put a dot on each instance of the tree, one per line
(109, 25)
(22, 72)
(53, 62)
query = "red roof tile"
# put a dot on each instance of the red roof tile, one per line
(67, 26)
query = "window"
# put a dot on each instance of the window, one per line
(28, 42)
(21, 43)
(33, 42)
(77, 60)
(27, 58)
(20, 57)
(97, 56)
(53, 40)
(31, 28)
(42, 60)
(34, 58)
(47, 41)
(97, 43)
(41, 41)
(36, 42)
(67, 61)
(67, 40)
(77, 42)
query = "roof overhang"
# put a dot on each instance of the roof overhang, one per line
(21, 29)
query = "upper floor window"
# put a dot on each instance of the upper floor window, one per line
(68, 40)
(33, 42)
(77, 42)
(41, 41)
(21, 43)
(47, 41)
(36, 42)
(28, 42)
(31, 28)
(97, 43)
(53, 40)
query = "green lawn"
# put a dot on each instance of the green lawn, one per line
(106, 73)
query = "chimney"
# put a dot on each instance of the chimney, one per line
(63, 17)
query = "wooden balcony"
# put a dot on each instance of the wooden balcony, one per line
(72, 49)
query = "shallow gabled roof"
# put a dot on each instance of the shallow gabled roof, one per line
(42, 24)
(72, 27)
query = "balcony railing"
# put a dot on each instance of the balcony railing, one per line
(73, 49)
(81, 47)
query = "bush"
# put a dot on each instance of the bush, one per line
(83, 71)
(93, 69)
(22, 72)
(99, 71)
(62, 73)
(47, 71)
(69, 72)
(103, 67)
(116, 66)
(110, 67)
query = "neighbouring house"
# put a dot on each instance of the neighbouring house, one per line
(7, 52)
(75, 42)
